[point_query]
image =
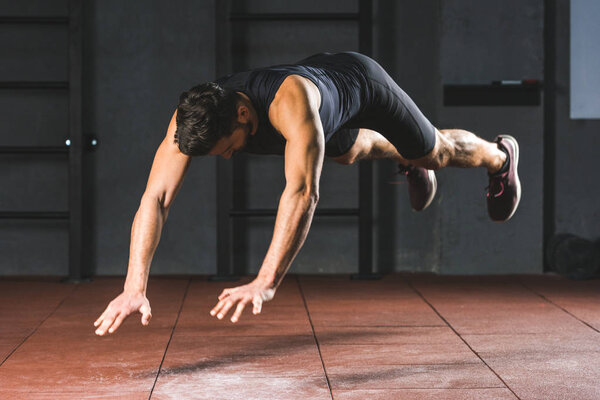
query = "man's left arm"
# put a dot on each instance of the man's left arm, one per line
(294, 112)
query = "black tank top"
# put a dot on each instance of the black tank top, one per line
(339, 77)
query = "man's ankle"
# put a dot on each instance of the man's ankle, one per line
(502, 165)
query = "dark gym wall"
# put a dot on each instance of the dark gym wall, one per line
(425, 45)
(140, 56)
(482, 42)
(577, 206)
(407, 45)
(29, 118)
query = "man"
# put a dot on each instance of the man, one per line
(341, 105)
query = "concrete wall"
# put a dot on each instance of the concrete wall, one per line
(33, 117)
(139, 57)
(577, 192)
(407, 44)
(482, 42)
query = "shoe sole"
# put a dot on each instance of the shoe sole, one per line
(432, 178)
(516, 166)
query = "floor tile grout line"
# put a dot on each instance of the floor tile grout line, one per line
(187, 287)
(314, 336)
(410, 284)
(559, 307)
(40, 324)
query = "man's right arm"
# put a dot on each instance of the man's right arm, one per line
(166, 178)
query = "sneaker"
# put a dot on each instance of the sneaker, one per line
(421, 186)
(504, 191)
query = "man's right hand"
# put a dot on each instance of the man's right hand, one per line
(119, 309)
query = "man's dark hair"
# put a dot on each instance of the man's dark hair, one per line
(205, 113)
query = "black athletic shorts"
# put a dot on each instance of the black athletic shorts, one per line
(389, 111)
(341, 142)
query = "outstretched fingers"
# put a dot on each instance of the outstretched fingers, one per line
(222, 307)
(217, 308)
(120, 317)
(106, 322)
(240, 297)
(100, 319)
(238, 311)
(226, 307)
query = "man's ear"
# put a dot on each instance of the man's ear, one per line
(243, 114)
(244, 118)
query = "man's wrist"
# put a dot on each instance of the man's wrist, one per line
(267, 279)
(134, 289)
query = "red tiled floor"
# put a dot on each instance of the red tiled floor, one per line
(282, 317)
(359, 316)
(395, 354)
(479, 305)
(77, 395)
(225, 386)
(580, 298)
(376, 340)
(271, 355)
(340, 302)
(544, 366)
(245, 356)
(427, 376)
(64, 355)
(386, 335)
(23, 306)
(424, 394)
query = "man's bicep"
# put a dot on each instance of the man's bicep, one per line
(304, 152)
(168, 169)
(295, 113)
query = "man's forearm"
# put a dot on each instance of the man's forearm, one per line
(145, 235)
(294, 216)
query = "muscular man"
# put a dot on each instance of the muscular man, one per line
(341, 105)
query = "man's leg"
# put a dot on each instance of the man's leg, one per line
(394, 115)
(369, 144)
(460, 148)
(455, 148)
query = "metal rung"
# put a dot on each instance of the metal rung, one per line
(294, 17)
(34, 150)
(33, 20)
(34, 85)
(271, 212)
(34, 215)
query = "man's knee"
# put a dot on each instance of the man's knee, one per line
(438, 157)
(358, 148)
(347, 158)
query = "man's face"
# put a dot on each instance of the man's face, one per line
(228, 146)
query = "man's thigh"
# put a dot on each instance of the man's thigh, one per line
(341, 142)
(392, 113)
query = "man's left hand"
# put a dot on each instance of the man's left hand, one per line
(255, 292)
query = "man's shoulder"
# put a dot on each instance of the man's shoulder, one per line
(295, 90)
(297, 99)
